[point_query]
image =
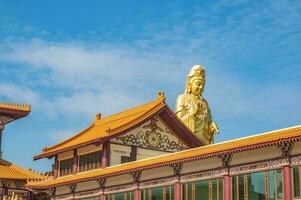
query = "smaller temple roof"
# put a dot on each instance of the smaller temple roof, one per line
(238, 145)
(103, 129)
(15, 111)
(13, 172)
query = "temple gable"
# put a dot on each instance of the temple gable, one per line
(153, 134)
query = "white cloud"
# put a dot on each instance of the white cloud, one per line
(84, 77)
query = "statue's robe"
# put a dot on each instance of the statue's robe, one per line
(195, 113)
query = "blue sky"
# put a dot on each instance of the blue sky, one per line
(72, 59)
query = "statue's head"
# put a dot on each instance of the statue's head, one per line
(195, 82)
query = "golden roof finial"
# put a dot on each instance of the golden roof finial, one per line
(161, 96)
(97, 116)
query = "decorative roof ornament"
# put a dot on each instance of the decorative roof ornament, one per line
(193, 109)
(161, 96)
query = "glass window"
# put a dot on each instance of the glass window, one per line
(256, 186)
(279, 184)
(125, 159)
(89, 161)
(241, 190)
(234, 187)
(66, 166)
(159, 193)
(272, 188)
(121, 196)
(169, 192)
(296, 181)
(203, 190)
(217, 189)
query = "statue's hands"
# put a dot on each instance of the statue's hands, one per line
(214, 128)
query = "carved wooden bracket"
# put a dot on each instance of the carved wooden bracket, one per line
(101, 183)
(5, 183)
(136, 176)
(177, 168)
(286, 148)
(5, 119)
(226, 159)
(51, 192)
(19, 184)
(72, 187)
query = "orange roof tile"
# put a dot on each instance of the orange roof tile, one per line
(247, 143)
(106, 127)
(12, 171)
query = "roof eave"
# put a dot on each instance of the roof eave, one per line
(147, 116)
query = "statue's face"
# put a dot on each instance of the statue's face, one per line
(197, 86)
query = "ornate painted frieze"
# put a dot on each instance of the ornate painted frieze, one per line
(203, 175)
(296, 160)
(88, 194)
(122, 188)
(158, 183)
(5, 119)
(153, 136)
(64, 197)
(273, 164)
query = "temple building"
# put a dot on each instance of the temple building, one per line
(151, 152)
(12, 177)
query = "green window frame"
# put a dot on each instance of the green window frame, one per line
(296, 180)
(121, 196)
(65, 167)
(125, 159)
(89, 161)
(203, 190)
(158, 193)
(258, 185)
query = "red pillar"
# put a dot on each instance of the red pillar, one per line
(102, 197)
(177, 191)
(1, 129)
(137, 195)
(55, 167)
(75, 162)
(226, 188)
(287, 186)
(133, 153)
(105, 154)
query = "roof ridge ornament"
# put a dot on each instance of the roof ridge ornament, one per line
(97, 117)
(161, 96)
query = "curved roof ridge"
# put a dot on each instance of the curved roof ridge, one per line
(72, 137)
(13, 171)
(258, 134)
(28, 172)
(125, 121)
(130, 109)
(117, 129)
(258, 141)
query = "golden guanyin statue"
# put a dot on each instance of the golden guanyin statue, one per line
(193, 109)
